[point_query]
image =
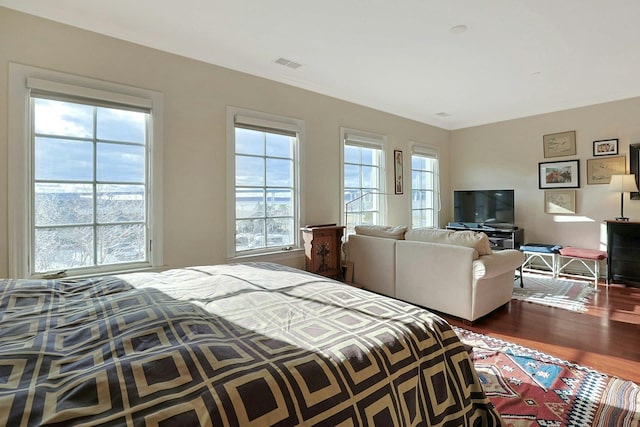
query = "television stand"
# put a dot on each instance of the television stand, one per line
(500, 238)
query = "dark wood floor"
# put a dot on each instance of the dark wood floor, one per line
(606, 338)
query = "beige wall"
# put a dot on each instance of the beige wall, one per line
(507, 155)
(500, 155)
(196, 96)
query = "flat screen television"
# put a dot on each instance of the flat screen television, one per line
(484, 207)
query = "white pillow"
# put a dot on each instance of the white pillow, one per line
(471, 239)
(388, 232)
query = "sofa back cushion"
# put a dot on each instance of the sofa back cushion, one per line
(471, 239)
(388, 232)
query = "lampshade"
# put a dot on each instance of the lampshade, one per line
(623, 184)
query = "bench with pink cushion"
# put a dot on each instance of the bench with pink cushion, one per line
(589, 258)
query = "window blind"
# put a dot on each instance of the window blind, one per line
(64, 92)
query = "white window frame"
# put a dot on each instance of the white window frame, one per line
(433, 152)
(369, 140)
(272, 121)
(21, 151)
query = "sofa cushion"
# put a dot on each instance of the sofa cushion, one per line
(388, 232)
(471, 239)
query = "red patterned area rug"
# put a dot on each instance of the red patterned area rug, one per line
(560, 293)
(530, 388)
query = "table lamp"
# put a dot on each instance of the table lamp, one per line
(623, 184)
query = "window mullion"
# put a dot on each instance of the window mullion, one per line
(95, 186)
(265, 214)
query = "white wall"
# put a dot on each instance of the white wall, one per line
(196, 96)
(507, 154)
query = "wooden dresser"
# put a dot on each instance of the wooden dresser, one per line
(623, 252)
(322, 245)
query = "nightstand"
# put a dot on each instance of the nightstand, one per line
(322, 249)
(623, 252)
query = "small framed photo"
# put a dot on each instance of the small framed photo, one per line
(397, 168)
(599, 171)
(605, 147)
(563, 174)
(559, 144)
(560, 201)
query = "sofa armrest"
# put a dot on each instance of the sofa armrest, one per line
(497, 263)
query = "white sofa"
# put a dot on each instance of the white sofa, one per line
(453, 272)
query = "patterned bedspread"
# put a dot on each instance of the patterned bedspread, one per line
(228, 345)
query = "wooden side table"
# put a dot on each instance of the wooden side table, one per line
(322, 249)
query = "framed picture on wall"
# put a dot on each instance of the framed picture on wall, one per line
(560, 201)
(634, 166)
(559, 174)
(397, 168)
(559, 144)
(599, 171)
(605, 147)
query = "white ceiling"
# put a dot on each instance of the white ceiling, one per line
(517, 58)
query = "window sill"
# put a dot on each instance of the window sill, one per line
(112, 272)
(269, 256)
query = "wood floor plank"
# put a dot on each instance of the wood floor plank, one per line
(605, 338)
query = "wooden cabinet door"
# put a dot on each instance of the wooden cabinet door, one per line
(322, 250)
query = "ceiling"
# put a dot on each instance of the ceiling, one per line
(516, 58)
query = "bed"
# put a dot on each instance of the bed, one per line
(228, 345)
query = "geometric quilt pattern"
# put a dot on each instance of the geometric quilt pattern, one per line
(234, 345)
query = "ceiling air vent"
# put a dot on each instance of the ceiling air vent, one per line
(288, 63)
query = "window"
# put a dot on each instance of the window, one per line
(424, 188)
(88, 204)
(266, 185)
(363, 183)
